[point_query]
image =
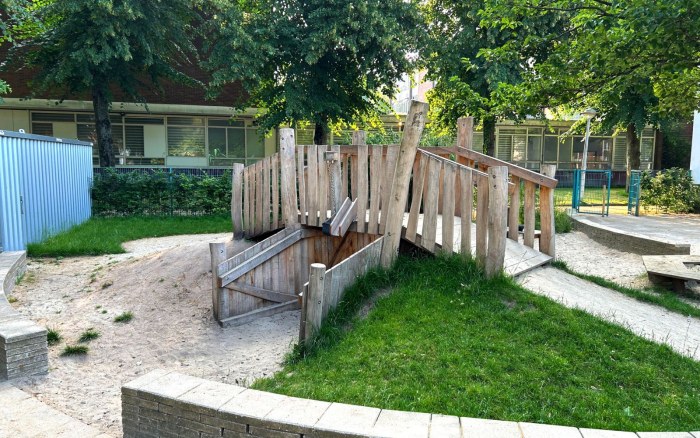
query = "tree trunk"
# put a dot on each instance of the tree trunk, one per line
(633, 152)
(103, 127)
(490, 136)
(321, 131)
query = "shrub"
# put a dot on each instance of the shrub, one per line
(671, 190)
(88, 335)
(53, 337)
(74, 350)
(159, 193)
(124, 317)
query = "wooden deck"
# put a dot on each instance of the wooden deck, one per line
(519, 258)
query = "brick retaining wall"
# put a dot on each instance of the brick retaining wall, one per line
(169, 404)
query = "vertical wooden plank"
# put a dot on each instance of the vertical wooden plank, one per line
(312, 185)
(529, 232)
(498, 219)
(514, 211)
(219, 295)
(314, 305)
(323, 185)
(418, 183)
(259, 197)
(344, 174)
(335, 180)
(467, 203)
(237, 200)
(547, 235)
(388, 180)
(302, 183)
(448, 207)
(360, 181)
(288, 177)
(267, 193)
(375, 189)
(248, 223)
(482, 212)
(430, 205)
(275, 206)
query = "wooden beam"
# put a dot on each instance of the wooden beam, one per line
(288, 177)
(259, 313)
(259, 292)
(498, 205)
(392, 214)
(529, 230)
(260, 258)
(314, 302)
(219, 297)
(465, 132)
(514, 211)
(547, 236)
(518, 171)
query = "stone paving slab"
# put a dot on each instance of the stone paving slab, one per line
(22, 415)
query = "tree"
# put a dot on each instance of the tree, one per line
(638, 62)
(325, 61)
(95, 47)
(472, 77)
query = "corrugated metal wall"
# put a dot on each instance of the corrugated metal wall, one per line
(44, 187)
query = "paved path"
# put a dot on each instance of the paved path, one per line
(655, 323)
(22, 415)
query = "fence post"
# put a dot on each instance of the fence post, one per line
(498, 218)
(314, 302)
(237, 200)
(218, 295)
(359, 178)
(415, 122)
(288, 177)
(465, 131)
(547, 229)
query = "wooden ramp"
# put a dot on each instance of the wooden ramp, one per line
(518, 259)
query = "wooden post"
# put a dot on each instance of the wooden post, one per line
(360, 184)
(547, 238)
(498, 205)
(237, 200)
(219, 295)
(288, 177)
(482, 211)
(335, 178)
(529, 230)
(465, 132)
(415, 122)
(514, 211)
(314, 302)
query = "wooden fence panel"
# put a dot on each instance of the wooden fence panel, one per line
(430, 205)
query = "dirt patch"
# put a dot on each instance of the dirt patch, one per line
(166, 284)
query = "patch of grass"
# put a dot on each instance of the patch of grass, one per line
(664, 298)
(74, 350)
(89, 335)
(53, 337)
(124, 317)
(618, 196)
(448, 341)
(12, 300)
(100, 235)
(562, 222)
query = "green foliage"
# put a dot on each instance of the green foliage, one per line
(446, 340)
(664, 298)
(74, 350)
(160, 193)
(53, 337)
(671, 190)
(101, 235)
(562, 222)
(323, 61)
(124, 317)
(89, 335)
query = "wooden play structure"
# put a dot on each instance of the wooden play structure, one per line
(333, 212)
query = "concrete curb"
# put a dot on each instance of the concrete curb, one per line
(627, 241)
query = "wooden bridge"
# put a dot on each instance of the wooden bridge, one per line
(336, 211)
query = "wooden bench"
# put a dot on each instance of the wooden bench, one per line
(23, 347)
(676, 269)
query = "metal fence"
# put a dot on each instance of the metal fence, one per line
(44, 187)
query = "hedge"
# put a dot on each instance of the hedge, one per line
(160, 193)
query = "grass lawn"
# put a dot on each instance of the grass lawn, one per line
(664, 298)
(105, 235)
(618, 196)
(447, 341)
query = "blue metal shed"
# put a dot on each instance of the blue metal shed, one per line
(44, 187)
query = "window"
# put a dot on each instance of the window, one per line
(230, 141)
(186, 137)
(551, 149)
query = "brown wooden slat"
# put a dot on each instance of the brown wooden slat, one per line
(529, 231)
(430, 204)
(418, 183)
(448, 206)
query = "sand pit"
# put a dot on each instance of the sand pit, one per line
(166, 284)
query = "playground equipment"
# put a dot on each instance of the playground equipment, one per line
(337, 211)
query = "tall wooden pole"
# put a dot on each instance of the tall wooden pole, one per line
(415, 122)
(498, 217)
(237, 200)
(288, 177)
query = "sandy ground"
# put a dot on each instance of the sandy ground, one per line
(166, 283)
